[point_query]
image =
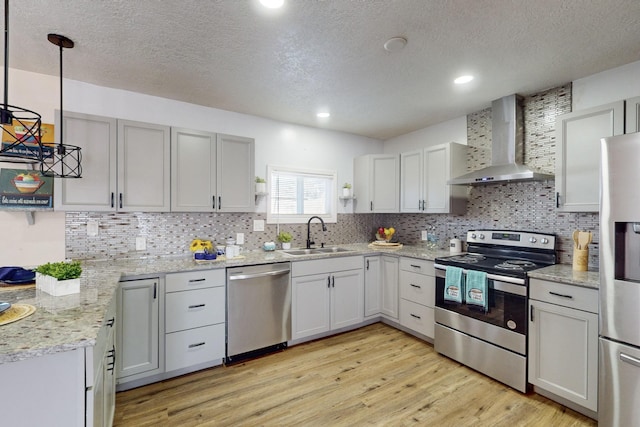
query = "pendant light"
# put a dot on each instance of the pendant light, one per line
(21, 134)
(65, 159)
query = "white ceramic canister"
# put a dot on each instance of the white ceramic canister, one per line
(455, 246)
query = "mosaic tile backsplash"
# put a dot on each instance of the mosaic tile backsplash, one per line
(522, 206)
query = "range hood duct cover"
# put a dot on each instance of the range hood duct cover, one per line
(507, 147)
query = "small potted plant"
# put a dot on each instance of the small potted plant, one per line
(59, 278)
(346, 190)
(285, 238)
(261, 185)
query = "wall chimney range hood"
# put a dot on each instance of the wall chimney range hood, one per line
(507, 148)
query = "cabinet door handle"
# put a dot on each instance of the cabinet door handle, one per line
(629, 359)
(333, 281)
(328, 281)
(219, 202)
(155, 289)
(214, 201)
(371, 204)
(367, 264)
(112, 199)
(416, 316)
(196, 306)
(196, 280)
(531, 311)
(120, 200)
(415, 286)
(415, 266)
(561, 295)
(198, 344)
(557, 199)
(111, 322)
(112, 364)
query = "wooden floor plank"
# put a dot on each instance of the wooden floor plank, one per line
(374, 376)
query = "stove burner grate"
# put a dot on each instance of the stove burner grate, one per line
(467, 258)
(515, 264)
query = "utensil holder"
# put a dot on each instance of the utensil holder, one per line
(580, 259)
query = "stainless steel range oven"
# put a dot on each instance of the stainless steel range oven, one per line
(491, 338)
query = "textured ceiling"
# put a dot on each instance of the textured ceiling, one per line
(313, 54)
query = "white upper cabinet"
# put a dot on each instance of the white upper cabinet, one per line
(96, 190)
(211, 172)
(143, 167)
(424, 176)
(125, 166)
(193, 173)
(578, 137)
(376, 179)
(632, 122)
(235, 174)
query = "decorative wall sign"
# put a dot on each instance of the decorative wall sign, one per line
(28, 146)
(25, 190)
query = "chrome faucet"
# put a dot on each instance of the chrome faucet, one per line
(324, 228)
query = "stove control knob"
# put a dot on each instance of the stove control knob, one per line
(473, 235)
(532, 239)
(481, 237)
(544, 240)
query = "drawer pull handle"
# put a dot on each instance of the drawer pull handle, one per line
(561, 295)
(199, 344)
(415, 266)
(111, 322)
(196, 280)
(630, 359)
(197, 306)
(416, 316)
(415, 286)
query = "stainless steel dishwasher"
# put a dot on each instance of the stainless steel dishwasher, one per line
(258, 310)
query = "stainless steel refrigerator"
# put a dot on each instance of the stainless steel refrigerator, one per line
(619, 367)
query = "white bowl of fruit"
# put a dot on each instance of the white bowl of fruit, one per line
(385, 234)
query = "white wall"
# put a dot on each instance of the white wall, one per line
(276, 142)
(450, 131)
(608, 86)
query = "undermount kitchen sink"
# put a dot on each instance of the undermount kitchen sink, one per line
(315, 251)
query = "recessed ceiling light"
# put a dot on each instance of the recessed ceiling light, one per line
(323, 115)
(272, 4)
(463, 79)
(395, 44)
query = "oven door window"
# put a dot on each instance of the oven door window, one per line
(506, 310)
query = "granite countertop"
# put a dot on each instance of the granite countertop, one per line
(564, 273)
(73, 321)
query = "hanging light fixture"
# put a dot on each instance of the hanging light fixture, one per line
(65, 159)
(21, 134)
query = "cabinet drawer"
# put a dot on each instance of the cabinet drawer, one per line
(195, 280)
(417, 266)
(417, 288)
(192, 309)
(564, 294)
(194, 346)
(322, 266)
(417, 317)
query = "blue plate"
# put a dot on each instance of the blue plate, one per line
(4, 306)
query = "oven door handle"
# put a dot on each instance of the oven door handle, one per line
(441, 268)
(499, 283)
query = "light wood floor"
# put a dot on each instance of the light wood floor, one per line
(374, 376)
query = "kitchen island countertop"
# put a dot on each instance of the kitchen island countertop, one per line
(69, 322)
(565, 273)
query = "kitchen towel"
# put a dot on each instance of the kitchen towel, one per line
(454, 284)
(477, 289)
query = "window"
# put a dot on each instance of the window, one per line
(295, 195)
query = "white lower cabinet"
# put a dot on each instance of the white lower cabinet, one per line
(389, 274)
(326, 295)
(101, 397)
(417, 295)
(372, 286)
(194, 318)
(563, 343)
(138, 329)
